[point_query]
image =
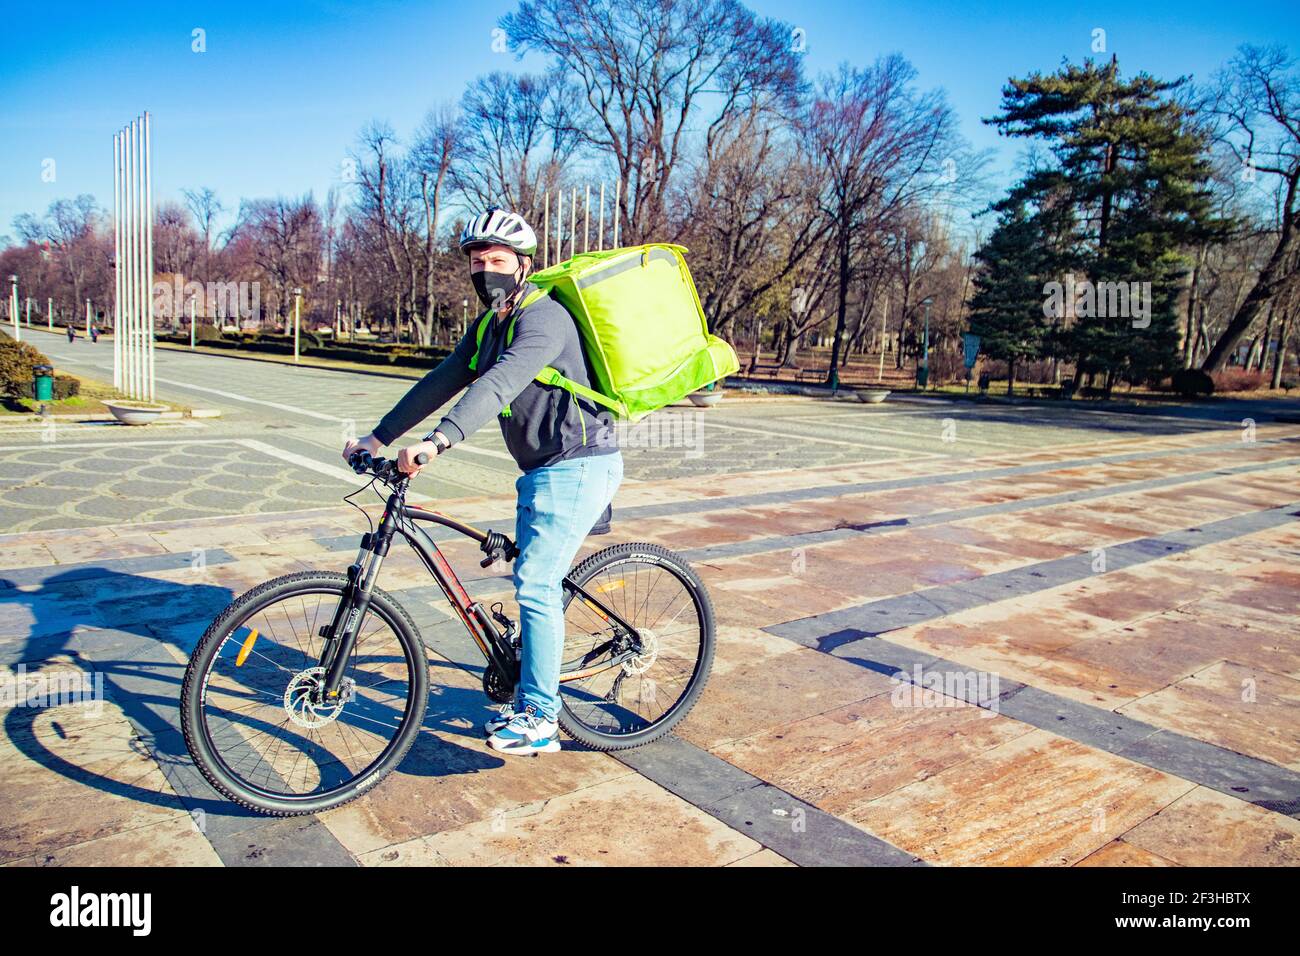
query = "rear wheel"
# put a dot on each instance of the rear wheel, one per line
(252, 715)
(617, 694)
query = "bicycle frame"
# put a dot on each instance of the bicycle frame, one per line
(401, 518)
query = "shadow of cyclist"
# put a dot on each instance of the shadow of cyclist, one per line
(132, 635)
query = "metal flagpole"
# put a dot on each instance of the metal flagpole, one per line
(573, 222)
(884, 322)
(117, 262)
(600, 220)
(148, 245)
(128, 274)
(618, 195)
(137, 256)
(559, 225)
(546, 230)
(586, 218)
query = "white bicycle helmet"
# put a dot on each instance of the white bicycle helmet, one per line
(497, 227)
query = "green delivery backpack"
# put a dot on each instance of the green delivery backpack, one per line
(642, 325)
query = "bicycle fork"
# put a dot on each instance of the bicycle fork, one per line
(341, 633)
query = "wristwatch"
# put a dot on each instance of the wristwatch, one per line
(438, 440)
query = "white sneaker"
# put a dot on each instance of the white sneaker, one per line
(527, 733)
(504, 713)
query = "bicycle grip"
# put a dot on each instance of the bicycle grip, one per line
(422, 458)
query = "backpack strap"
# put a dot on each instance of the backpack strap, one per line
(488, 316)
(548, 375)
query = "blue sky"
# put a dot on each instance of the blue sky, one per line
(283, 89)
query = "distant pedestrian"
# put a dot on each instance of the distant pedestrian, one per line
(94, 334)
(72, 333)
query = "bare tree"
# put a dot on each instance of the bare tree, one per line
(1258, 103)
(205, 207)
(435, 150)
(648, 69)
(519, 134)
(884, 147)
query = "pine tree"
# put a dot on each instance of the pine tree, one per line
(1007, 305)
(1134, 172)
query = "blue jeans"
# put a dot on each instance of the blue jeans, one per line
(558, 504)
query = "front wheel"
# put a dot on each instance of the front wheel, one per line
(617, 693)
(251, 710)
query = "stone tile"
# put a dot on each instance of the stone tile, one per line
(628, 821)
(856, 753)
(105, 773)
(450, 777)
(414, 852)
(762, 858)
(1119, 853)
(1208, 828)
(1241, 708)
(1036, 800)
(757, 697)
(175, 842)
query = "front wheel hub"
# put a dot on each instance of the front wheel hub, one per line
(302, 698)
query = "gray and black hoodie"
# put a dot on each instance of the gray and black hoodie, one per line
(545, 424)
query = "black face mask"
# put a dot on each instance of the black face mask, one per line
(494, 289)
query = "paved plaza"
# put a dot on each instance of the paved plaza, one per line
(950, 633)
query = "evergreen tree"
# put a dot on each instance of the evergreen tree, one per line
(1134, 171)
(1007, 305)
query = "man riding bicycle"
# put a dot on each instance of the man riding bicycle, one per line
(566, 450)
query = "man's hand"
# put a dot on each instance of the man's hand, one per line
(406, 457)
(369, 444)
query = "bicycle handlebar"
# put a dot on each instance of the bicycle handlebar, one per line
(384, 468)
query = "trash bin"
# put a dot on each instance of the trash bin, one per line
(43, 386)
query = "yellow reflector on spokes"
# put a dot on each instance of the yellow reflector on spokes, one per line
(248, 646)
(611, 586)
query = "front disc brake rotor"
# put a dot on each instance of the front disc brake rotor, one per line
(301, 698)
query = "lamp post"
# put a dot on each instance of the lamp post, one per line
(923, 373)
(297, 307)
(13, 309)
(191, 321)
(49, 314)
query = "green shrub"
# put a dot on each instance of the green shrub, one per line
(1190, 382)
(17, 361)
(205, 332)
(65, 387)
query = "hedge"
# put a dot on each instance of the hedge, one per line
(17, 362)
(362, 353)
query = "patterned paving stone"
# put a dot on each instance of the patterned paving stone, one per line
(1114, 738)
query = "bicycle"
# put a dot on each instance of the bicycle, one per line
(303, 721)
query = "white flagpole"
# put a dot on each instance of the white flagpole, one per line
(117, 262)
(600, 220)
(618, 195)
(128, 347)
(148, 245)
